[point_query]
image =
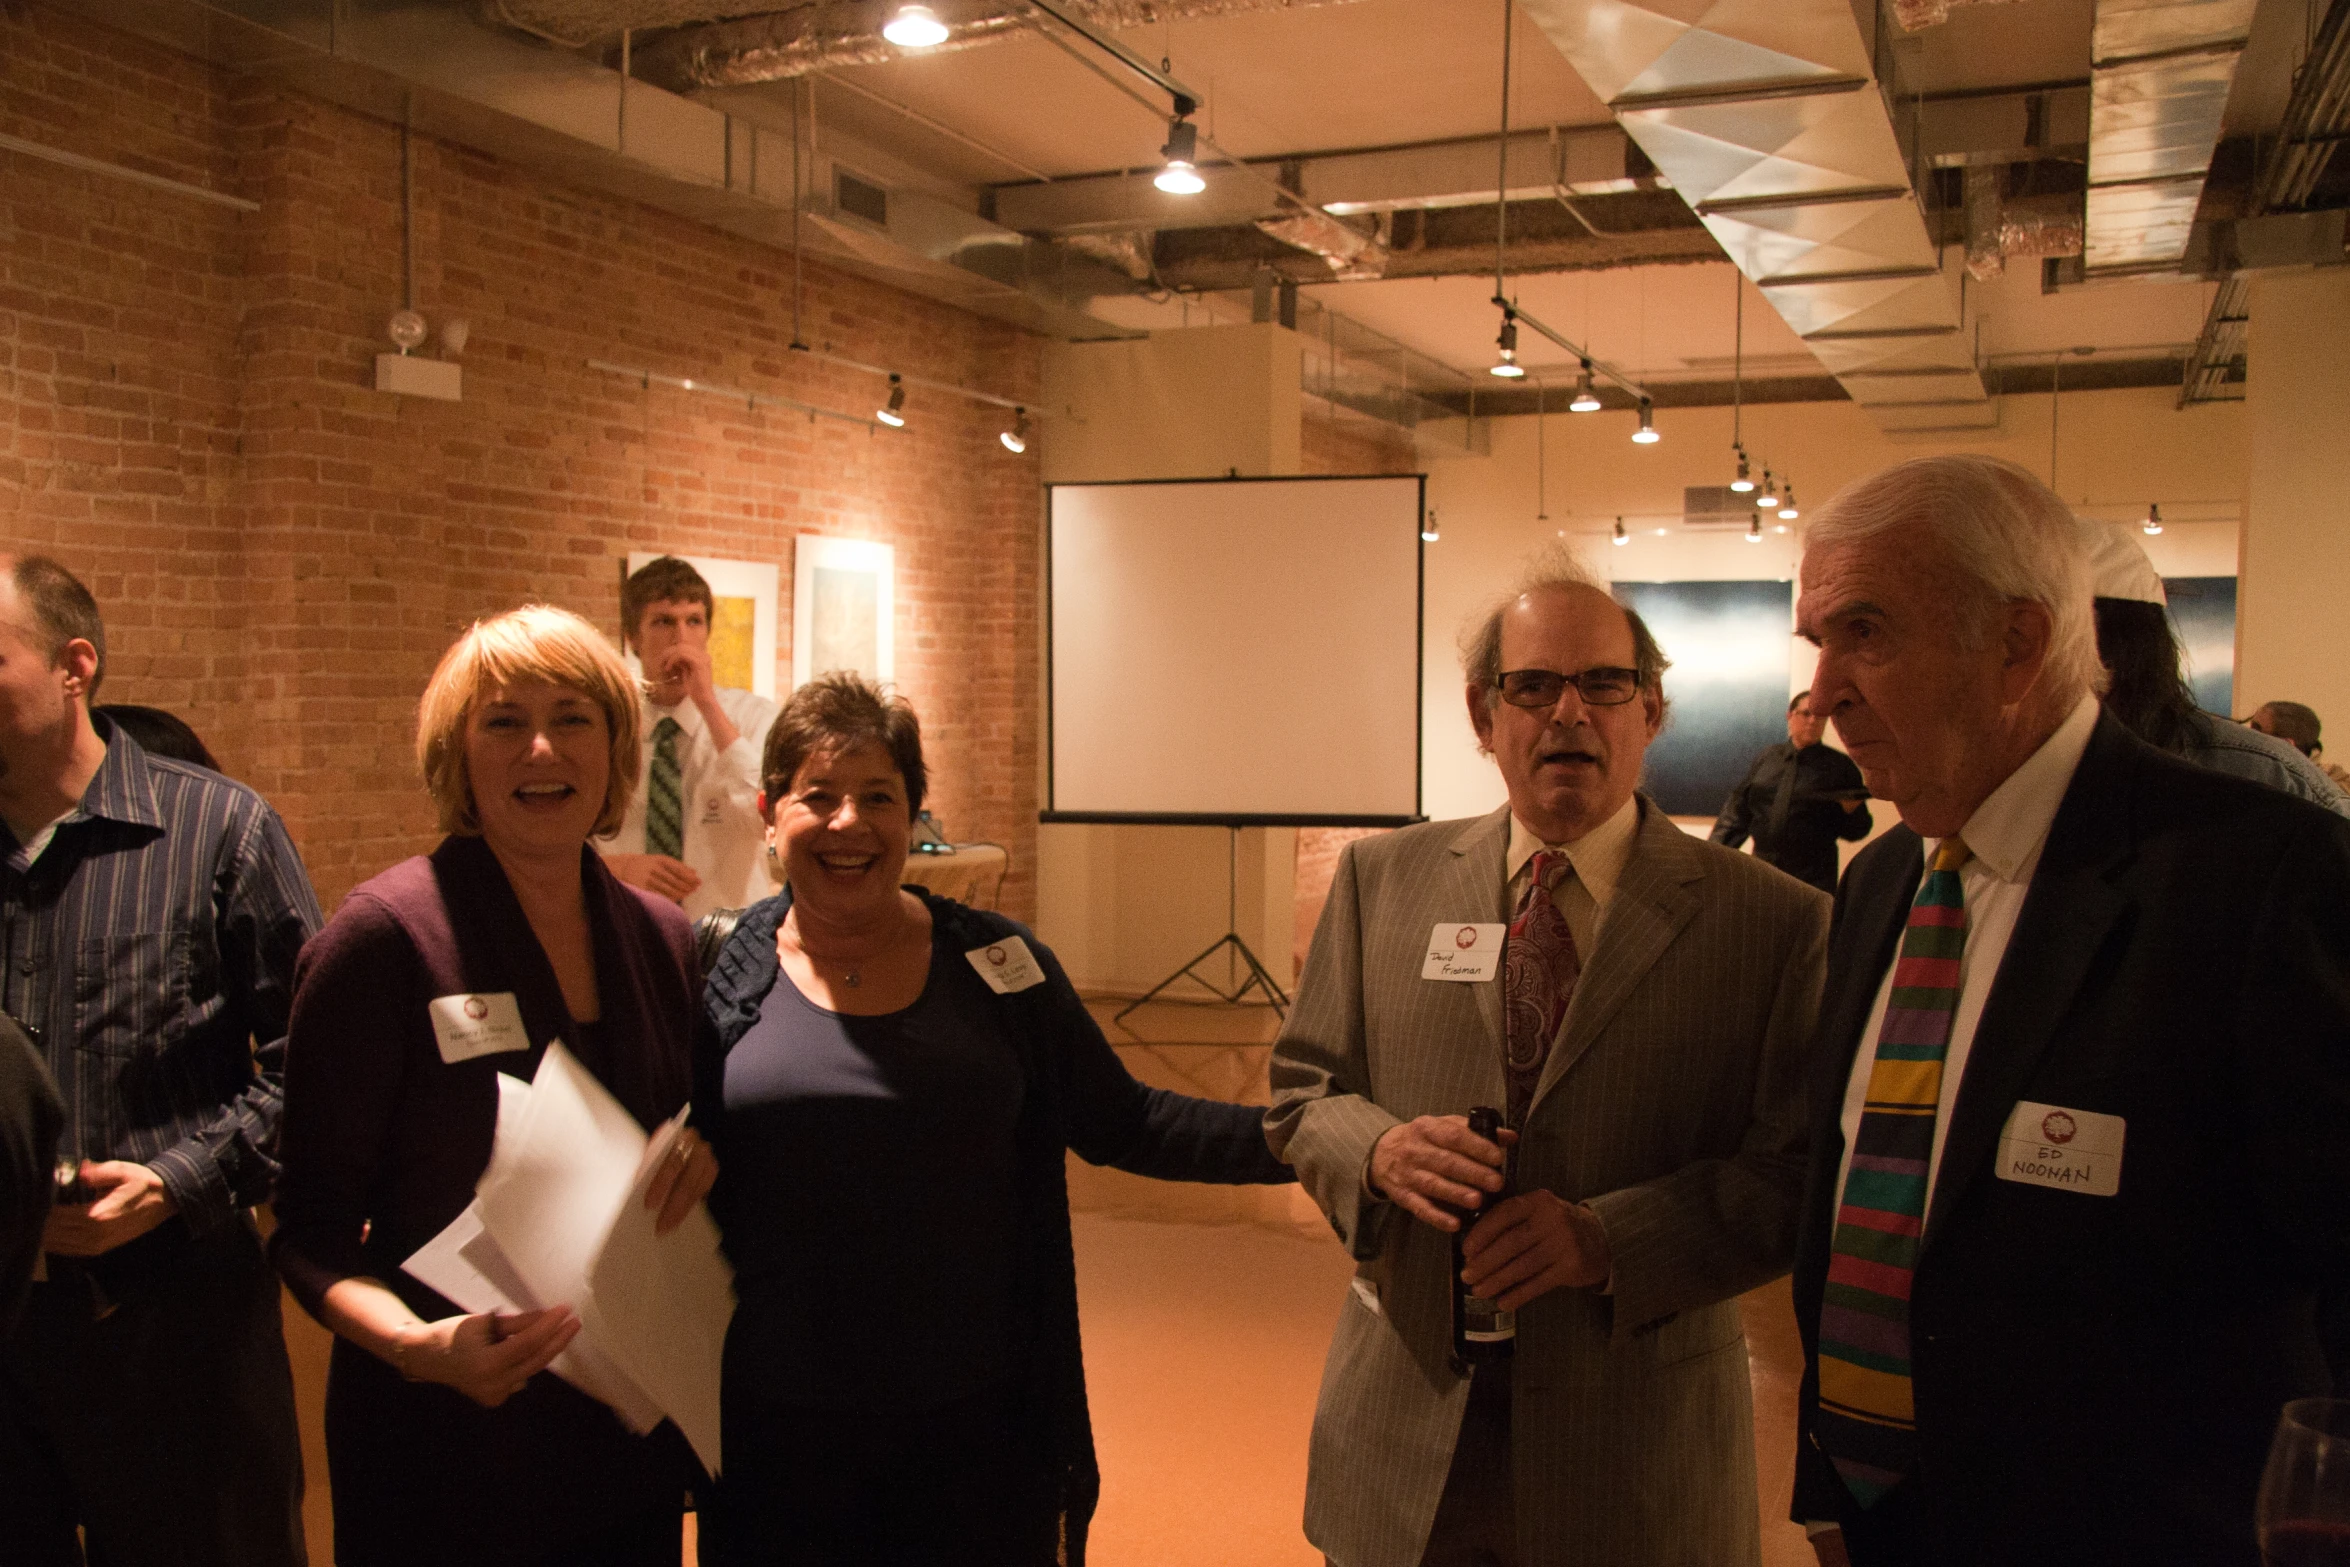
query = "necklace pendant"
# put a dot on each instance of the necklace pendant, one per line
(855, 979)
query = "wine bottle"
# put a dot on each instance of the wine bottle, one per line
(1482, 1333)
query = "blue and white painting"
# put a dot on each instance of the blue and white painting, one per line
(2204, 611)
(1728, 643)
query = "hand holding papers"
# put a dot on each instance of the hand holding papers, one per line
(558, 1218)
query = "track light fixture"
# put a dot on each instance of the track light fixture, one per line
(1181, 175)
(1787, 511)
(1016, 438)
(1646, 435)
(1743, 484)
(2153, 522)
(1586, 399)
(1770, 491)
(1428, 533)
(915, 27)
(1754, 529)
(1621, 537)
(892, 413)
(1506, 363)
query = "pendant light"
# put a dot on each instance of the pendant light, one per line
(1586, 398)
(1787, 511)
(1181, 176)
(1744, 483)
(2153, 522)
(1646, 435)
(1506, 363)
(1621, 537)
(892, 413)
(1016, 438)
(1770, 490)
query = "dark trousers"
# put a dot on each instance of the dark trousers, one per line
(959, 1486)
(1893, 1533)
(1476, 1519)
(145, 1397)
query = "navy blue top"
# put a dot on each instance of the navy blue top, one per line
(874, 1259)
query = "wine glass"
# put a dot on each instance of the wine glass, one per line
(2304, 1510)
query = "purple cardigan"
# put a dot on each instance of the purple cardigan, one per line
(383, 1140)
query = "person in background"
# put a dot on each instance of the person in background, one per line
(159, 733)
(1643, 1026)
(150, 914)
(2292, 722)
(31, 1116)
(890, 1079)
(692, 833)
(1797, 801)
(2082, 1086)
(446, 1441)
(2147, 690)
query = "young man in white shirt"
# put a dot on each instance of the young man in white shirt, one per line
(692, 832)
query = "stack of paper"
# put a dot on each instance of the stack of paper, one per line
(559, 1218)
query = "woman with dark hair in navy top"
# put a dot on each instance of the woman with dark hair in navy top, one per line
(889, 1080)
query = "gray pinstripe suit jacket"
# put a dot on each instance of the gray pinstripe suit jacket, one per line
(1672, 1104)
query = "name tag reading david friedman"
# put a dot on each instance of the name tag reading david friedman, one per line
(2069, 1150)
(1464, 954)
(1007, 965)
(481, 1025)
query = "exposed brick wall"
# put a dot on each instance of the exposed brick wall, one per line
(283, 552)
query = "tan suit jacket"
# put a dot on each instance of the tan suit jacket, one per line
(1672, 1104)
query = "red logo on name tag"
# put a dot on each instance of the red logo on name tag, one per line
(476, 1008)
(1465, 937)
(2058, 1127)
(995, 955)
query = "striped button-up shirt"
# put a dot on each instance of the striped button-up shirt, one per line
(149, 949)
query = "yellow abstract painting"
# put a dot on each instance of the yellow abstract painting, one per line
(731, 626)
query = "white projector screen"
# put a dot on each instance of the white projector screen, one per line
(1238, 651)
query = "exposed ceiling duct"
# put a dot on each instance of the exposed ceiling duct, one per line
(1771, 123)
(2160, 71)
(736, 44)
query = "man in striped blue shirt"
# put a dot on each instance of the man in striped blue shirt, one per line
(150, 914)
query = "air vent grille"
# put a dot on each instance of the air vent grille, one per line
(860, 198)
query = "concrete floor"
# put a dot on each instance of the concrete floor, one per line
(1206, 1312)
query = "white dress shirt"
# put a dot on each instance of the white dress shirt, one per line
(1599, 858)
(718, 802)
(2006, 834)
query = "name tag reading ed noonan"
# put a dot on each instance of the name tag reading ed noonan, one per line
(2067, 1150)
(1464, 954)
(487, 1024)
(1007, 965)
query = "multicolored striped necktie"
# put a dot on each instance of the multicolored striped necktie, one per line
(664, 815)
(1867, 1419)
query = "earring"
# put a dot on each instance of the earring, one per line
(774, 863)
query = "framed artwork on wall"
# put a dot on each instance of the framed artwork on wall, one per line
(843, 608)
(2204, 611)
(743, 622)
(1728, 643)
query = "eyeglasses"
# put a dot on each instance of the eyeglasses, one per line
(1541, 688)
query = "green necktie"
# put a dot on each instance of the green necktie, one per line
(664, 817)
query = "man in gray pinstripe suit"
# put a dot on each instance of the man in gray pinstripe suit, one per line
(1659, 1134)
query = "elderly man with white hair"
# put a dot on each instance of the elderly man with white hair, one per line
(2081, 1163)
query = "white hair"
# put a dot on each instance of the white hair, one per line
(2007, 534)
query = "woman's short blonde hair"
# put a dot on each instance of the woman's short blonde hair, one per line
(535, 642)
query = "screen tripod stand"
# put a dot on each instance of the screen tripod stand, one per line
(1237, 955)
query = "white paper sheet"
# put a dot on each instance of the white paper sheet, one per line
(566, 1167)
(660, 1304)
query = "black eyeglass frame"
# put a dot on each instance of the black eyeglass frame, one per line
(1538, 703)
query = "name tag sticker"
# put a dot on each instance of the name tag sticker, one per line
(2069, 1150)
(1007, 965)
(481, 1025)
(713, 810)
(1464, 954)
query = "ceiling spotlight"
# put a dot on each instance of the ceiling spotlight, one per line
(2153, 523)
(1787, 509)
(1428, 527)
(1586, 400)
(915, 27)
(1181, 175)
(1646, 435)
(1754, 529)
(892, 413)
(1016, 438)
(1742, 484)
(1621, 536)
(1770, 492)
(1506, 364)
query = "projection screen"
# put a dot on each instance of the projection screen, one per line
(1234, 651)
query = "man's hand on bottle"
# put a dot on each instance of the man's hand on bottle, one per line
(1434, 1165)
(1534, 1243)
